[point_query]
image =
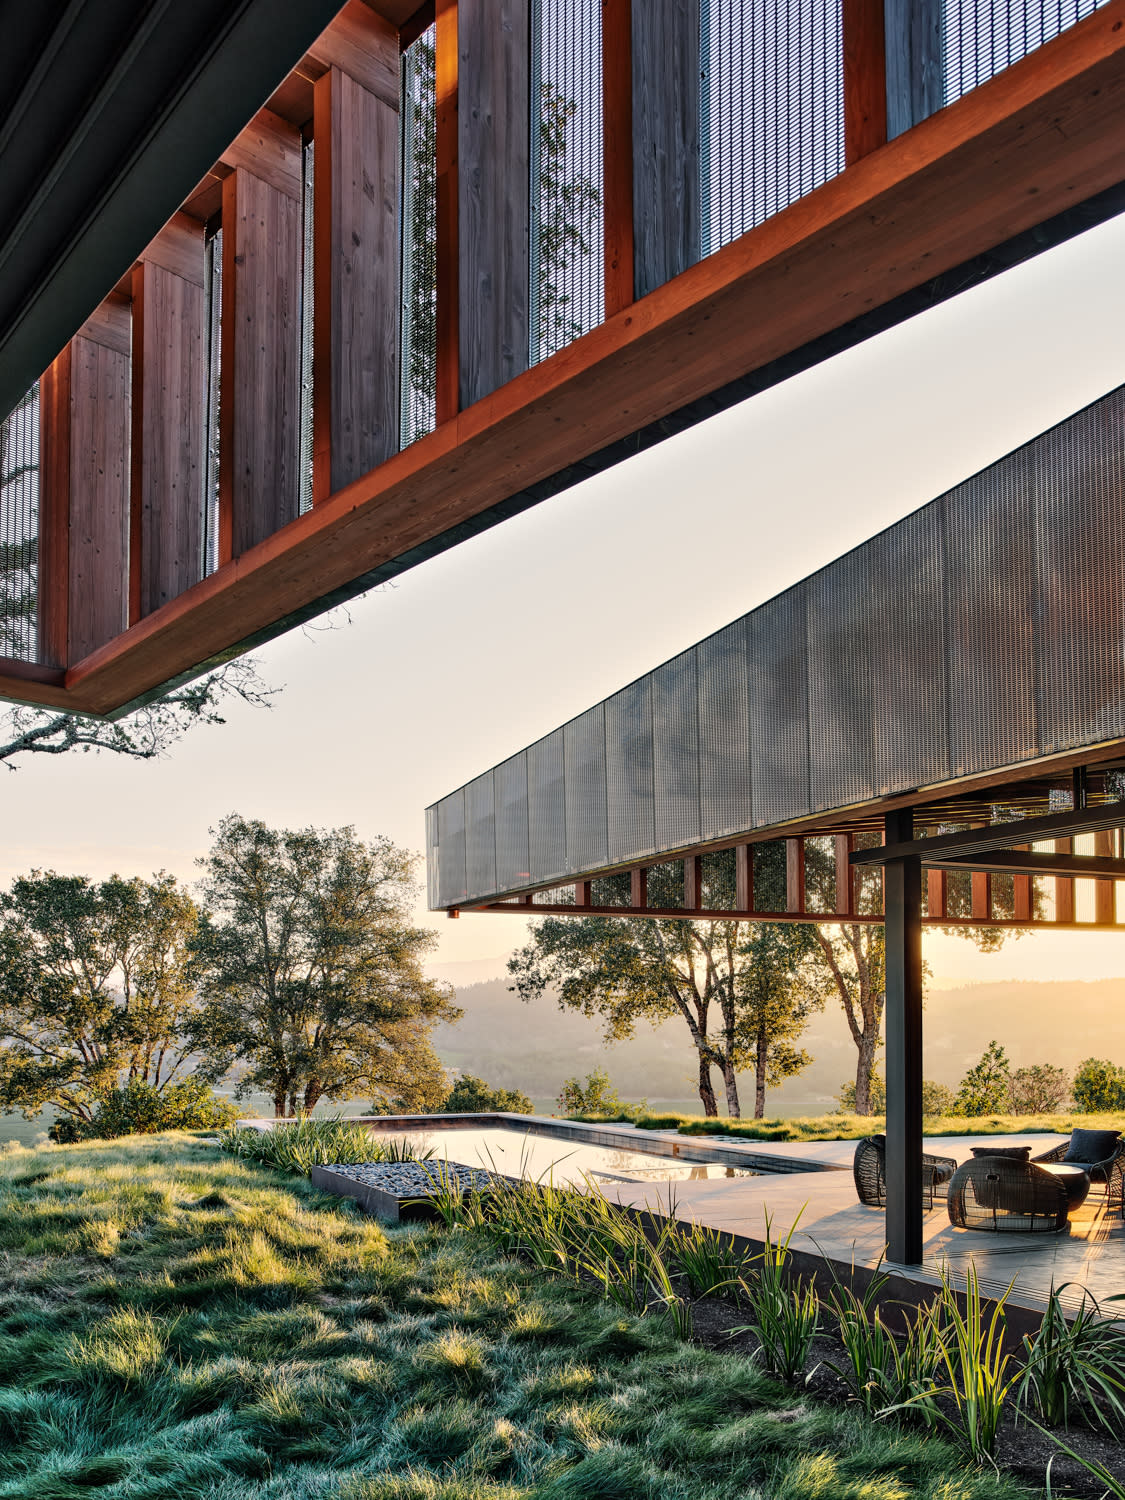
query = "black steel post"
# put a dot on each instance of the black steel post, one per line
(903, 1013)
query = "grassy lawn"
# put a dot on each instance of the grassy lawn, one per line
(176, 1323)
(852, 1127)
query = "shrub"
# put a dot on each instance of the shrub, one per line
(472, 1096)
(984, 1088)
(1038, 1090)
(936, 1098)
(1099, 1087)
(299, 1145)
(594, 1096)
(142, 1109)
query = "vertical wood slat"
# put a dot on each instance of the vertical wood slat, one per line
(693, 882)
(355, 278)
(744, 877)
(638, 889)
(259, 407)
(1105, 891)
(667, 206)
(54, 511)
(865, 78)
(168, 414)
(935, 894)
(1064, 886)
(98, 607)
(494, 193)
(981, 895)
(845, 876)
(617, 152)
(915, 83)
(448, 258)
(794, 875)
(582, 892)
(1022, 891)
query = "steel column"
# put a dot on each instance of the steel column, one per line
(903, 1013)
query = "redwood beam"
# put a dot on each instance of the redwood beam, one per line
(744, 877)
(1105, 891)
(693, 883)
(865, 78)
(845, 875)
(1064, 886)
(795, 875)
(981, 895)
(1022, 892)
(935, 894)
(617, 153)
(582, 892)
(448, 257)
(638, 889)
(54, 512)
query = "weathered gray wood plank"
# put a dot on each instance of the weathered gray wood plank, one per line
(666, 172)
(915, 81)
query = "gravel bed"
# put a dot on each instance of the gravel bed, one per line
(406, 1178)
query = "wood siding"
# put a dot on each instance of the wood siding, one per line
(667, 224)
(914, 62)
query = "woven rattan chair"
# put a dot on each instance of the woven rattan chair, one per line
(869, 1166)
(1007, 1196)
(1109, 1171)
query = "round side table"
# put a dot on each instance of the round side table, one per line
(1076, 1184)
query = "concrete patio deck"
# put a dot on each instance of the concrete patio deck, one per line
(831, 1223)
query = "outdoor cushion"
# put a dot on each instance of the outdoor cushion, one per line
(1091, 1146)
(1017, 1153)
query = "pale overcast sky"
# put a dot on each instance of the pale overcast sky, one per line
(478, 652)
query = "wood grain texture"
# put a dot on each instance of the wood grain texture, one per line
(365, 47)
(914, 62)
(494, 193)
(356, 271)
(99, 496)
(269, 149)
(935, 894)
(168, 410)
(179, 248)
(54, 510)
(865, 78)
(1105, 891)
(617, 152)
(1064, 887)
(259, 407)
(794, 874)
(1039, 138)
(667, 223)
(447, 332)
(744, 877)
(845, 880)
(110, 324)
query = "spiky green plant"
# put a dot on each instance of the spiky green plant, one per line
(299, 1145)
(784, 1309)
(1074, 1363)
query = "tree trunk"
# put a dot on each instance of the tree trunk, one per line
(313, 1092)
(279, 1106)
(761, 1060)
(730, 1083)
(865, 1066)
(706, 1092)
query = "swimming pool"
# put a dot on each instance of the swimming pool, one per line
(530, 1154)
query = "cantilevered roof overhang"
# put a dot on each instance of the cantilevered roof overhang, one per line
(970, 656)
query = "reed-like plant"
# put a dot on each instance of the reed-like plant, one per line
(710, 1261)
(299, 1145)
(784, 1309)
(1075, 1363)
(885, 1371)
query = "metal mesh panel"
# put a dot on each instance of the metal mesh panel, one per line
(777, 660)
(989, 548)
(418, 405)
(433, 859)
(512, 867)
(305, 498)
(480, 837)
(584, 747)
(981, 38)
(724, 732)
(842, 643)
(451, 837)
(213, 271)
(629, 795)
(675, 717)
(772, 109)
(1080, 534)
(905, 588)
(546, 807)
(19, 530)
(567, 273)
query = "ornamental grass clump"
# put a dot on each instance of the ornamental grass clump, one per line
(710, 1261)
(784, 1309)
(1075, 1367)
(885, 1372)
(299, 1145)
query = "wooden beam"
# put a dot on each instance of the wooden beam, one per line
(617, 152)
(270, 150)
(1064, 888)
(638, 889)
(259, 406)
(448, 254)
(168, 401)
(667, 212)
(582, 893)
(987, 838)
(807, 918)
(1022, 864)
(54, 511)
(865, 78)
(1105, 891)
(364, 47)
(744, 877)
(794, 875)
(494, 193)
(356, 275)
(693, 883)
(935, 894)
(981, 895)
(845, 876)
(1041, 136)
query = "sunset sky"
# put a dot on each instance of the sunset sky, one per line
(478, 652)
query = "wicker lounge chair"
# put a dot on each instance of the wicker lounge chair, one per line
(1005, 1195)
(1101, 1155)
(869, 1166)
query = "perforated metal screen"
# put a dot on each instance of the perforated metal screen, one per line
(418, 119)
(213, 272)
(19, 530)
(772, 108)
(308, 163)
(986, 629)
(982, 37)
(567, 280)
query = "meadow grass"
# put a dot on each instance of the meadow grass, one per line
(852, 1127)
(176, 1322)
